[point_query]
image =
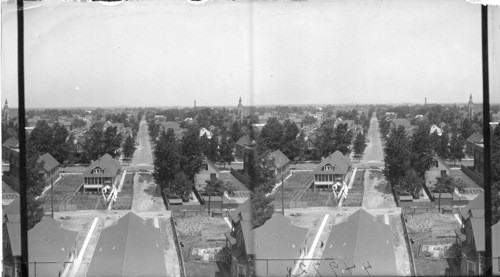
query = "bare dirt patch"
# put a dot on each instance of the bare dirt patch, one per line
(377, 192)
(430, 229)
(146, 196)
(200, 232)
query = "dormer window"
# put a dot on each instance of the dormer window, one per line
(327, 167)
(97, 171)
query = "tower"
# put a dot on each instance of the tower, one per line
(240, 111)
(5, 113)
(469, 106)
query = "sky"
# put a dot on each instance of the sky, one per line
(171, 53)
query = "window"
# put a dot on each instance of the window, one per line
(327, 167)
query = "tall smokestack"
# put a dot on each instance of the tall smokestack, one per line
(425, 101)
(195, 103)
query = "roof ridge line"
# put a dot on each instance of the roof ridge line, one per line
(126, 243)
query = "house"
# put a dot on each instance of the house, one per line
(240, 146)
(495, 234)
(80, 145)
(471, 237)
(129, 248)
(50, 168)
(391, 115)
(277, 238)
(178, 131)
(332, 171)
(435, 128)
(360, 246)
(208, 172)
(409, 129)
(204, 131)
(51, 249)
(471, 142)
(10, 143)
(281, 164)
(438, 168)
(101, 173)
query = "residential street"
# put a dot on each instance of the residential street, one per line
(373, 155)
(142, 156)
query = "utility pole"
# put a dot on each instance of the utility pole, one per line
(282, 190)
(52, 197)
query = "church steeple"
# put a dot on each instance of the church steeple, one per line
(240, 111)
(469, 106)
(5, 112)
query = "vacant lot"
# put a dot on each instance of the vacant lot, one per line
(146, 197)
(426, 229)
(200, 232)
(377, 191)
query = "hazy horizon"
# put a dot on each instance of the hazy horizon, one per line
(159, 54)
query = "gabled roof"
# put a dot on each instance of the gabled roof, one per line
(339, 162)
(111, 167)
(13, 208)
(244, 140)
(277, 238)
(211, 167)
(280, 159)
(243, 207)
(476, 137)
(129, 248)
(14, 232)
(48, 242)
(171, 125)
(478, 231)
(360, 240)
(476, 206)
(11, 143)
(49, 162)
(495, 238)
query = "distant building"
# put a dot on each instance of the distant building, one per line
(178, 131)
(101, 173)
(7, 146)
(479, 158)
(129, 248)
(471, 142)
(409, 129)
(6, 112)
(240, 146)
(277, 238)
(240, 111)
(332, 171)
(438, 168)
(51, 248)
(204, 131)
(50, 167)
(281, 163)
(436, 129)
(208, 172)
(471, 237)
(360, 246)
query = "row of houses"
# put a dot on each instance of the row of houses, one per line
(359, 246)
(128, 248)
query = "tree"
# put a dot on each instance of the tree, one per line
(326, 137)
(180, 186)
(167, 159)
(60, 144)
(94, 144)
(443, 149)
(308, 120)
(448, 184)
(397, 155)
(271, 136)
(204, 143)
(35, 185)
(289, 145)
(495, 175)
(154, 129)
(41, 137)
(262, 208)
(191, 155)
(342, 138)
(359, 144)
(411, 184)
(112, 141)
(226, 151)
(213, 148)
(456, 146)
(260, 172)
(421, 148)
(129, 147)
(215, 187)
(466, 128)
(235, 131)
